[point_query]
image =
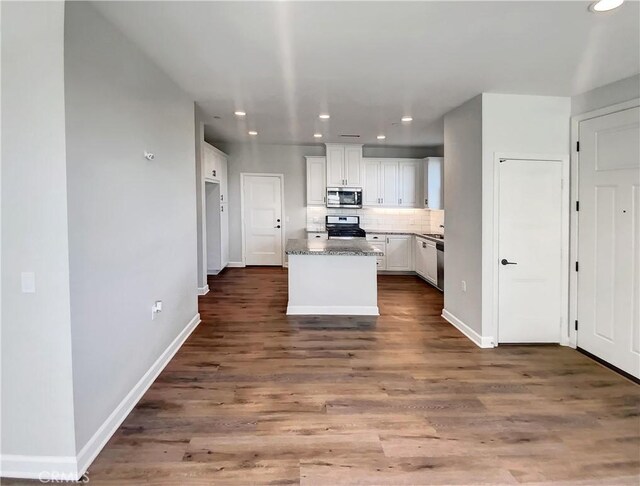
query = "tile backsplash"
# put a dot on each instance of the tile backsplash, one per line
(371, 219)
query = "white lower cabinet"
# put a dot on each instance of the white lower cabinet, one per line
(426, 258)
(399, 253)
(431, 262)
(420, 257)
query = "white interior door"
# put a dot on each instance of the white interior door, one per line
(530, 251)
(608, 238)
(262, 199)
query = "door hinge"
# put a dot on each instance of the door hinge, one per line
(577, 205)
(578, 146)
(576, 325)
(576, 266)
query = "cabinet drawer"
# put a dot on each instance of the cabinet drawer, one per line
(375, 237)
(317, 236)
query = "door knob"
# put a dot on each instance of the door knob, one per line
(278, 226)
(504, 261)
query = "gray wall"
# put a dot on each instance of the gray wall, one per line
(463, 212)
(278, 159)
(132, 222)
(514, 124)
(383, 151)
(610, 94)
(36, 394)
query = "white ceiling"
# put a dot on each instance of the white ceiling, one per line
(369, 63)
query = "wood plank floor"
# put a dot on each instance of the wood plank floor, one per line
(255, 397)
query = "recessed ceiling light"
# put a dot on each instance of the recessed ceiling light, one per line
(381, 137)
(239, 113)
(407, 118)
(605, 5)
(253, 132)
(325, 116)
(317, 135)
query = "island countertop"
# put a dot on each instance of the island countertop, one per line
(332, 247)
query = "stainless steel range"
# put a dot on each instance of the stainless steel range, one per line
(344, 227)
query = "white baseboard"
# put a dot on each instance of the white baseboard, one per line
(236, 264)
(39, 467)
(203, 290)
(480, 341)
(70, 468)
(333, 310)
(213, 272)
(93, 447)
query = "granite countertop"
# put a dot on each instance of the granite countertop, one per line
(332, 247)
(388, 232)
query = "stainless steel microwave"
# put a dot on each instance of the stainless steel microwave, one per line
(344, 197)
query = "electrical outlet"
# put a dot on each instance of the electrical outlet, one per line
(464, 285)
(155, 309)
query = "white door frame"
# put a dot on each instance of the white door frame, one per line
(564, 262)
(283, 232)
(575, 178)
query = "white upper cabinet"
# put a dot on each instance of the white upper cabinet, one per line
(389, 183)
(212, 162)
(343, 165)
(371, 183)
(335, 165)
(392, 182)
(352, 162)
(434, 183)
(316, 181)
(409, 184)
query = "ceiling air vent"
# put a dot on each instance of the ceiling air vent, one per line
(346, 135)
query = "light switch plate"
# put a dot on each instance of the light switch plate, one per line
(28, 282)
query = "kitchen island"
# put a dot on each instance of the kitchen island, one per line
(332, 277)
